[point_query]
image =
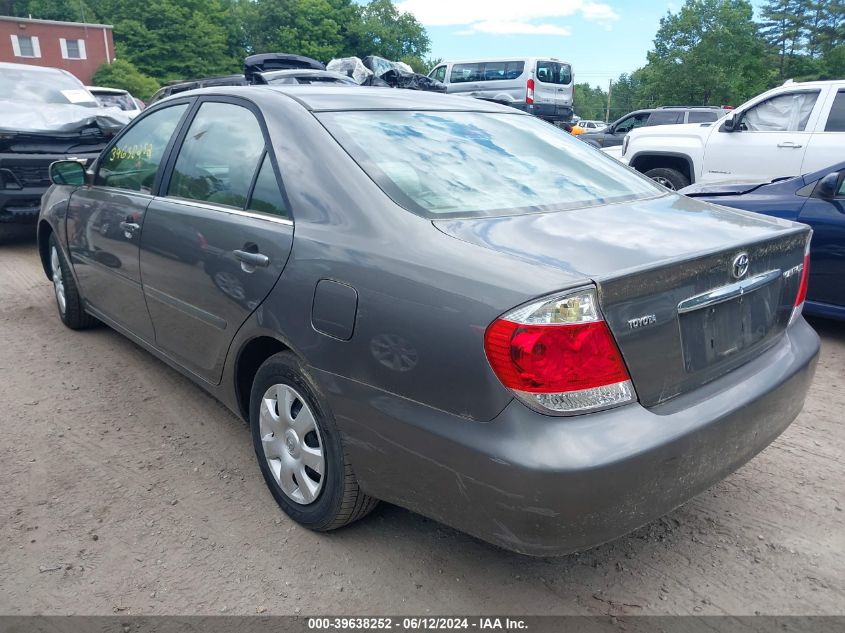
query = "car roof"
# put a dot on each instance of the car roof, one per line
(324, 98)
(505, 58)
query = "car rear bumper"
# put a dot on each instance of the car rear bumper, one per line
(548, 111)
(552, 485)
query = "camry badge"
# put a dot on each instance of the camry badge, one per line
(740, 266)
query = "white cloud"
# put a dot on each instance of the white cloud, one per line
(518, 15)
(515, 28)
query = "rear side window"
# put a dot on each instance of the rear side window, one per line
(500, 71)
(462, 73)
(266, 196)
(554, 73)
(219, 156)
(836, 118)
(459, 164)
(133, 161)
(702, 116)
(666, 117)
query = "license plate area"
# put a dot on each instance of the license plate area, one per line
(713, 333)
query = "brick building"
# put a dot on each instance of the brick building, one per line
(74, 46)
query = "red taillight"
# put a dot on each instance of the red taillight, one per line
(554, 358)
(801, 296)
(558, 355)
(529, 91)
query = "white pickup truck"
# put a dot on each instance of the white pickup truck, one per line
(788, 131)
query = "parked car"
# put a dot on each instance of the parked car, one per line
(613, 134)
(816, 199)
(543, 362)
(539, 86)
(592, 126)
(177, 87)
(116, 98)
(46, 114)
(794, 129)
(258, 69)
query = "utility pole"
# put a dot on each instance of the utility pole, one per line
(609, 90)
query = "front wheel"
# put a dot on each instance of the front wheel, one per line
(299, 448)
(669, 178)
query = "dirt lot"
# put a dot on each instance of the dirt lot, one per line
(126, 489)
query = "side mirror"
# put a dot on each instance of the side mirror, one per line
(730, 123)
(827, 187)
(67, 172)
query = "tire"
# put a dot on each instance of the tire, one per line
(286, 448)
(669, 178)
(68, 301)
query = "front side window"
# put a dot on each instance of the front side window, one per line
(836, 118)
(133, 161)
(634, 121)
(784, 113)
(554, 73)
(219, 156)
(453, 164)
(439, 73)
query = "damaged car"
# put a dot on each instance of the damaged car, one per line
(48, 115)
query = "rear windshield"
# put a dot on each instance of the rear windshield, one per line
(41, 87)
(448, 164)
(486, 71)
(554, 73)
(122, 101)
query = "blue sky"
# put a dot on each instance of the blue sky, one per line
(600, 38)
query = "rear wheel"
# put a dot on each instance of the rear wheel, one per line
(68, 301)
(299, 448)
(669, 178)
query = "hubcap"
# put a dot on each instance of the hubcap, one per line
(665, 182)
(292, 444)
(58, 281)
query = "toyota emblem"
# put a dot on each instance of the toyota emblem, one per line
(740, 266)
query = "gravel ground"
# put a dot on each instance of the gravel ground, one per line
(126, 489)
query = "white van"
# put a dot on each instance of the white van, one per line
(542, 86)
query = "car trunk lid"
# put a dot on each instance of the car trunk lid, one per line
(664, 269)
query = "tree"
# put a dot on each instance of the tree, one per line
(709, 53)
(122, 74)
(381, 29)
(173, 39)
(63, 10)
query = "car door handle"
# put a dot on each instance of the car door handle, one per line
(253, 260)
(789, 145)
(130, 226)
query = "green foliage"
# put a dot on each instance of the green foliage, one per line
(590, 102)
(122, 74)
(709, 53)
(173, 39)
(801, 34)
(381, 29)
(63, 10)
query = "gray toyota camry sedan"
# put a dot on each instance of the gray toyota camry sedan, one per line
(438, 302)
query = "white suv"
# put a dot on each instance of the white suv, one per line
(793, 129)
